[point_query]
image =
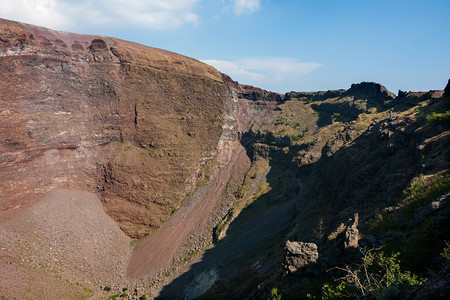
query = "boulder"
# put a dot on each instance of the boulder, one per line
(300, 256)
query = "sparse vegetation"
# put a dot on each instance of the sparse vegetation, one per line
(336, 116)
(332, 292)
(190, 255)
(424, 190)
(445, 254)
(377, 276)
(384, 222)
(274, 294)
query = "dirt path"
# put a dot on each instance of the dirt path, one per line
(157, 250)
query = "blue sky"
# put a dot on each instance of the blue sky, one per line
(279, 45)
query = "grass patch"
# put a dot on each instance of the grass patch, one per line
(423, 191)
(384, 222)
(190, 256)
(416, 250)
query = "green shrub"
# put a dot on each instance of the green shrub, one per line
(296, 137)
(439, 118)
(378, 276)
(330, 292)
(274, 294)
(336, 116)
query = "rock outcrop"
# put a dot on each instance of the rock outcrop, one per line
(447, 89)
(371, 91)
(351, 233)
(314, 96)
(250, 92)
(436, 288)
(438, 211)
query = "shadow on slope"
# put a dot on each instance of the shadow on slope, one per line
(365, 175)
(254, 234)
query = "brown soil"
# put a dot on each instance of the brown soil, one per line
(61, 245)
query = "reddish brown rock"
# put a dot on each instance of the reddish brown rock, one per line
(130, 122)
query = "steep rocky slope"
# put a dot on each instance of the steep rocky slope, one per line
(228, 190)
(366, 170)
(94, 113)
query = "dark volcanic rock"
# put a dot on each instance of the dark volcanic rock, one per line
(314, 96)
(371, 91)
(447, 89)
(436, 288)
(349, 104)
(414, 98)
(250, 92)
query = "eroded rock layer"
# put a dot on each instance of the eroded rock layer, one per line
(132, 123)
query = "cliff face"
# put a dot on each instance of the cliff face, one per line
(129, 122)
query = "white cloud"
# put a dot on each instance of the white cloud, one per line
(278, 65)
(246, 6)
(157, 14)
(233, 69)
(272, 73)
(41, 12)
(64, 14)
(74, 15)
